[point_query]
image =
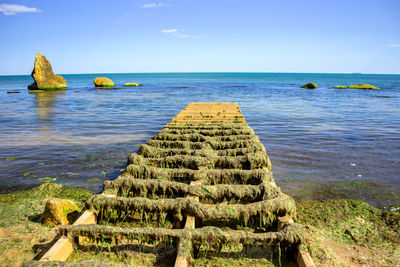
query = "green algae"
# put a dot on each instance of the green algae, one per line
(340, 87)
(211, 177)
(133, 84)
(265, 210)
(289, 235)
(154, 189)
(247, 162)
(12, 158)
(310, 86)
(93, 180)
(363, 86)
(46, 179)
(353, 223)
(19, 220)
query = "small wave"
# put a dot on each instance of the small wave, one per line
(181, 87)
(236, 86)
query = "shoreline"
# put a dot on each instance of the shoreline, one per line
(299, 189)
(357, 234)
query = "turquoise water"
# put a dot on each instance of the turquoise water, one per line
(323, 143)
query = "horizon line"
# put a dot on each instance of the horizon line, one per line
(188, 72)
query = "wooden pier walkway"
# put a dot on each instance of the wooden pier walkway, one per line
(203, 182)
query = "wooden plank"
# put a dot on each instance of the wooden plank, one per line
(63, 248)
(303, 258)
(181, 262)
(210, 113)
(88, 217)
(60, 251)
(190, 223)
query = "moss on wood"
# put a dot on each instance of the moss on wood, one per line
(207, 177)
(155, 189)
(264, 212)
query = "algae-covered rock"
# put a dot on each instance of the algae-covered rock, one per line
(310, 86)
(103, 82)
(57, 211)
(340, 87)
(44, 77)
(13, 92)
(133, 84)
(363, 86)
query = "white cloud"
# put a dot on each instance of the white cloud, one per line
(169, 30)
(11, 9)
(180, 34)
(153, 5)
(393, 45)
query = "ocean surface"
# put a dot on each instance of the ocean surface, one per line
(324, 143)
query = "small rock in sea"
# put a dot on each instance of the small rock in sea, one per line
(46, 179)
(44, 77)
(103, 82)
(13, 92)
(93, 180)
(34, 91)
(340, 87)
(310, 86)
(59, 211)
(363, 86)
(133, 84)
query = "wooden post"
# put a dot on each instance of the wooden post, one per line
(63, 248)
(303, 258)
(190, 223)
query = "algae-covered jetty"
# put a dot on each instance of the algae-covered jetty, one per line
(203, 182)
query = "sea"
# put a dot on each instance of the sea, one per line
(324, 143)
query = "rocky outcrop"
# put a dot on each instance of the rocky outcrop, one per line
(133, 84)
(310, 86)
(103, 82)
(44, 77)
(59, 211)
(340, 87)
(363, 86)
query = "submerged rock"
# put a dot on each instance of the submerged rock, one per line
(363, 86)
(44, 77)
(340, 87)
(13, 92)
(133, 84)
(59, 211)
(310, 86)
(103, 82)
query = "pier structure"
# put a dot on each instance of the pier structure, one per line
(203, 183)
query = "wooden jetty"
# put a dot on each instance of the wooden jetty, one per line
(203, 175)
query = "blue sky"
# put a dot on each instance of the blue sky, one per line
(201, 35)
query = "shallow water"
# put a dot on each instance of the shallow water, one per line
(318, 140)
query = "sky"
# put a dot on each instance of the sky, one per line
(126, 36)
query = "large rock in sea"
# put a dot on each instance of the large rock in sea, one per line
(59, 211)
(310, 86)
(103, 82)
(44, 77)
(363, 86)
